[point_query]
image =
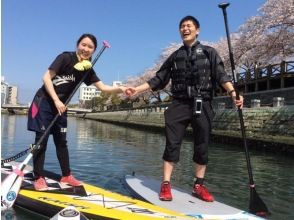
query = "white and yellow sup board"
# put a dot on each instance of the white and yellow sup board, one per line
(91, 201)
(146, 189)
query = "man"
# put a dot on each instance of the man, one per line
(194, 70)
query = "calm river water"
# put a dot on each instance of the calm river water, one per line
(101, 154)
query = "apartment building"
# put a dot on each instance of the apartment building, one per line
(9, 93)
(88, 92)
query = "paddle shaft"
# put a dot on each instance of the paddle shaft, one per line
(256, 204)
(240, 113)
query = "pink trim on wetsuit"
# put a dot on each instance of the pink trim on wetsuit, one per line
(35, 110)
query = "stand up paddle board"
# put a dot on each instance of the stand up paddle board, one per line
(147, 189)
(91, 201)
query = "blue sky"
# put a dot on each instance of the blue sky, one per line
(34, 32)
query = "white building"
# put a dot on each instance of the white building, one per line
(88, 92)
(8, 93)
(12, 95)
(4, 89)
(116, 83)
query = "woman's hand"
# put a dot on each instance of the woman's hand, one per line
(130, 91)
(61, 108)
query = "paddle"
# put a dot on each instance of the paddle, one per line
(12, 183)
(256, 205)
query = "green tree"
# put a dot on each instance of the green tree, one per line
(100, 102)
(115, 100)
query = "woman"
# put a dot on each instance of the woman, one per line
(60, 79)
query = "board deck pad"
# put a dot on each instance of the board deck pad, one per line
(147, 189)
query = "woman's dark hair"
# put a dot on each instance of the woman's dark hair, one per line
(190, 18)
(91, 36)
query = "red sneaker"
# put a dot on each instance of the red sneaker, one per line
(165, 191)
(70, 180)
(201, 192)
(40, 184)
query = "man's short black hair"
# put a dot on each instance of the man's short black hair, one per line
(190, 18)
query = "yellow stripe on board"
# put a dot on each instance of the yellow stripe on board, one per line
(101, 202)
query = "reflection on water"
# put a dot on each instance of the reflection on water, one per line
(102, 154)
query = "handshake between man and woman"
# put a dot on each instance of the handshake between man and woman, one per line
(132, 91)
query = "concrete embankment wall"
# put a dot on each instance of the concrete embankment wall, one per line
(266, 127)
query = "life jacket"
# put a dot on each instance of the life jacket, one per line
(191, 73)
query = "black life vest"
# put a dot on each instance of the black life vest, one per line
(191, 71)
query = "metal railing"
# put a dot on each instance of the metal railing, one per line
(283, 69)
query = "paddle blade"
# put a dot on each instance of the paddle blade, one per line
(9, 190)
(257, 206)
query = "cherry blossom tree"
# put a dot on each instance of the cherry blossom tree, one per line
(268, 37)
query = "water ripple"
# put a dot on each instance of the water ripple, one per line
(101, 154)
